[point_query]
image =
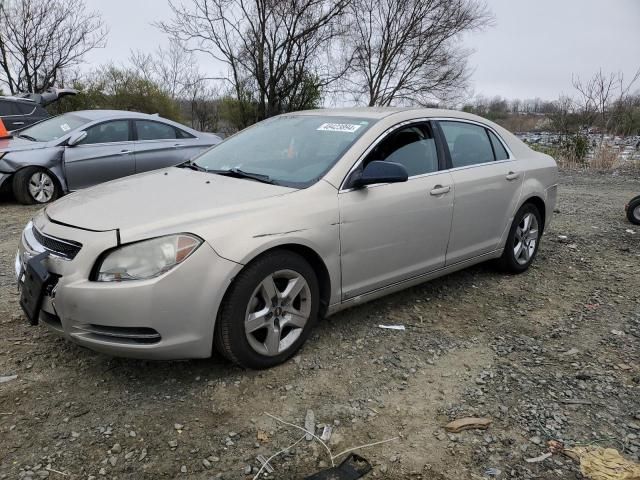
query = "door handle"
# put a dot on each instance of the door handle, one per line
(178, 145)
(18, 123)
(512, 176)
(125, 152)
(440, 190)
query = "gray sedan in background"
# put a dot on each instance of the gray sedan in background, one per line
(81, 149)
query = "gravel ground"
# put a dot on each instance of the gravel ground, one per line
(550, 354)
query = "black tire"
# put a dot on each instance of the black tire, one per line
(633, 210)
(21, 190)
(508, 262)
(230, 338)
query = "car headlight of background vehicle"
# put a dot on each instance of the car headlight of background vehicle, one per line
(147, 259)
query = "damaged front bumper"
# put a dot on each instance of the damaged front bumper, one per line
(3, 181)
(168, 317)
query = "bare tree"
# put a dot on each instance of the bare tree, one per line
(173, 68)
(597, 96)
(272, 48)
(38, 40)
(407, 51)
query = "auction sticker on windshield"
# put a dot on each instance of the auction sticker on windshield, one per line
(65, 127)
(339, 127)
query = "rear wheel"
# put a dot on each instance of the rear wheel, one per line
(269, 311)
(523, 240)
(633, 211)
(35, 185)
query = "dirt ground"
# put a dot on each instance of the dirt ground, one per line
(550, 354)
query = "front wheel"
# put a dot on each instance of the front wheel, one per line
(523, 240)
(268, 312)
(35, 185)
(633, 210)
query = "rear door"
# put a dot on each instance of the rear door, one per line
(487, 181)
(105, 154)
(160, 145)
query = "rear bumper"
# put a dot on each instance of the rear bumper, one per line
(168, 317)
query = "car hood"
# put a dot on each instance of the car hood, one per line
(163, 199)
(16, 144)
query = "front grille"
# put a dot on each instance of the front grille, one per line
(126, 335)
(64, 248)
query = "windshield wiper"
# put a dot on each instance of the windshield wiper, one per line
(193, 166)
(237, 173)
(26, 137)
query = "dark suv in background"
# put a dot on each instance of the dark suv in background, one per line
(25, 109)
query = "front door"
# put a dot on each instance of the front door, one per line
(105, 154)
(392, 232)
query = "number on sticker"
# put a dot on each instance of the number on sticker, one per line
(339, 127)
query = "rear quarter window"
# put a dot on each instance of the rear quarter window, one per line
(498, 148)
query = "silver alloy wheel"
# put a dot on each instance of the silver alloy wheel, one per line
(636, 213)
(41, 187)
(526, 239)
(277, 313)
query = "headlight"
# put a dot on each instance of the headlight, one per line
(147, 259)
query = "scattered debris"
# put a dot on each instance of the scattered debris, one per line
(541, 458)
(576, 401)
(628, 230)
(265, 464)
(309, 425)
(262, 436)
(326, 433)
(492, 472)
(469, 423)
(597, 463)
(392, 327)
(352, 468)
(572, 351)
(8, 378)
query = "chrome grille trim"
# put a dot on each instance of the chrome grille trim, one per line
(67, 249)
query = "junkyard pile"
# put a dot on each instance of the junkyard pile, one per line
(548, 355)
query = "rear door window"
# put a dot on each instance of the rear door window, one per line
(148, 130)
(468, 143)
(8, 108)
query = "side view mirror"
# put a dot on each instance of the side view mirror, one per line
(76, 138)
(380, 172)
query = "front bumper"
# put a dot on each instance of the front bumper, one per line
(3, 178)
(168, 317)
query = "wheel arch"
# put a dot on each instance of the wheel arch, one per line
(315, 261)
(539, 203)
(52, 172)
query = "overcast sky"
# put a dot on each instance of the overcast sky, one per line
(532, 50)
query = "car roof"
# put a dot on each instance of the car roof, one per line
(376, 113)
(17, 99)
(103, 114)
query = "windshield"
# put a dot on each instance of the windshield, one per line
(293, 150)
(53, 128)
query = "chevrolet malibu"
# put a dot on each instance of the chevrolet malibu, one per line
(245, 247)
